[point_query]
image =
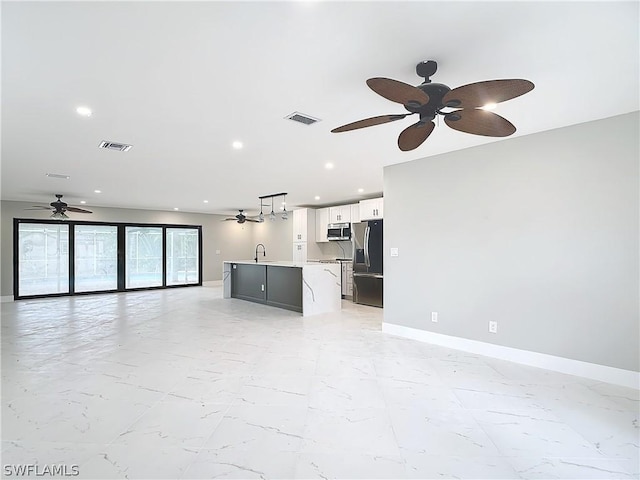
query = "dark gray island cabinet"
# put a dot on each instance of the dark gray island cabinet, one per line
(308, 288)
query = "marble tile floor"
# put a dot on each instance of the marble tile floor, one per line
(181, 383)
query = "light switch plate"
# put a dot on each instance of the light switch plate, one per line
(394, 252)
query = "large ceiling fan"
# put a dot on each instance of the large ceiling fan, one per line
(59, 208)
(464, 108)
(241, 218)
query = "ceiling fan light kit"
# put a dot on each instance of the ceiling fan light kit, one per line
(59, 216)
(464, 108)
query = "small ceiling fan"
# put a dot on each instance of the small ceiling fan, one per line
(241, 218)
(59, 208)
(464, 108)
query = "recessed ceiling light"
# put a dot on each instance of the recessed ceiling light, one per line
(84, 111)
(237, 145)
(82, 202)
(328, 166)
(176, 208)
(97, 191)
(489, 106)
(317, 197)
(205, 201)
(360, 190)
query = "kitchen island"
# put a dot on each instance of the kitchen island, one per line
(309, 288)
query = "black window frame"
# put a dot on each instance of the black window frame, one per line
(121, 256)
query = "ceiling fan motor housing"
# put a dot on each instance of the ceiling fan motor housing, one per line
(435, 91)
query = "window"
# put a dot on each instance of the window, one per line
(43, 258)
(182, 256)
(143, 257)
(95, 258)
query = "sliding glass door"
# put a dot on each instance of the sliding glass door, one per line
(67, 257)
(182, 256)
(144, 257)
(43, 258)
(95, 258)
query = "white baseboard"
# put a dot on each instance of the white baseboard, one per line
(212, 283)
(6, 298)
(617, 376)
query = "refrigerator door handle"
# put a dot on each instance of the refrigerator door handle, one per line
(368, 275)
(367, 260)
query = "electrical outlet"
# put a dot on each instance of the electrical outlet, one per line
(434, 317)
(493, 327)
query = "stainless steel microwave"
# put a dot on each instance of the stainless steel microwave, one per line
(339, 231)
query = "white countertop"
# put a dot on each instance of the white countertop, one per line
(281, 263)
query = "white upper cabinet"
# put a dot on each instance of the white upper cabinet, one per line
(304, 225)
(371, 209)
(355, 212)
(322, 221)
(340, 214)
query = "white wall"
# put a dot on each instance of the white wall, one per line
(277, 238)
(539, 233)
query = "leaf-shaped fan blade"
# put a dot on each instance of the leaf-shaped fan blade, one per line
(478, 94)
(38, 207)
(370, 122)
(398, 92)
(252, 220)
(413, 136)
(479, 122)
(77, 210)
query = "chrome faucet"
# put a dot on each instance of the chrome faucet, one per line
(264, 252)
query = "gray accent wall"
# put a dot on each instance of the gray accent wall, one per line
(539, 233)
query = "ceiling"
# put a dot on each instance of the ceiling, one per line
(181, 81)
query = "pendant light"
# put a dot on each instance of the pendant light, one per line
(272, 215)
(285, 215)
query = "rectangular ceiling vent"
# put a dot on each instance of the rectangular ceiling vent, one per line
(57, 175)
(302, 118)
(121, 147)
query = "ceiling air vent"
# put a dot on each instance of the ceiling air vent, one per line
(302, 118)
(57, 175)
(121, 147)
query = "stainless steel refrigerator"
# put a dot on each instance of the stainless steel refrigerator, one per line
(367, 263)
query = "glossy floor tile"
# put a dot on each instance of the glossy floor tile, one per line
(182, 383)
